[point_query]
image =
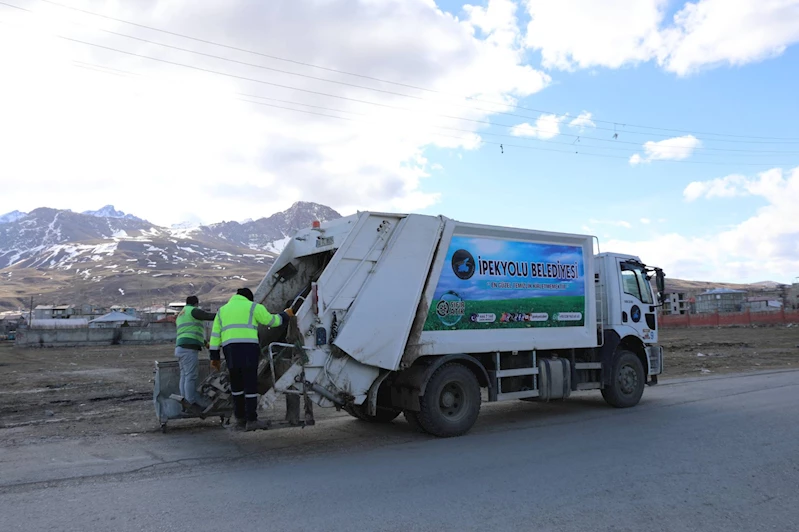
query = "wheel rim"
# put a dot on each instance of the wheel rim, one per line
(628, 380)
(453, 401)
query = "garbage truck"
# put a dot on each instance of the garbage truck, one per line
(428, 317)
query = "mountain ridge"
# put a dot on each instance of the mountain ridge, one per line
(64, 256)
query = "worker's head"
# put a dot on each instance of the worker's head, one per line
(193, 301)
(246, 292)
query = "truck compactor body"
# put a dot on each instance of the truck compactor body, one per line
(428, 317)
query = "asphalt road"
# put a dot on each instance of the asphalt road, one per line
(716, 454)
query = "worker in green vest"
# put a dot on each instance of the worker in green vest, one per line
(235, 331)
(190, 340)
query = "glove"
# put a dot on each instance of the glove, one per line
(216, 365)
(289, 311)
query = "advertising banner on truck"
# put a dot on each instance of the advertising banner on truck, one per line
(489, 283)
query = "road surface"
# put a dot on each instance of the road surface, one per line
(717, 454)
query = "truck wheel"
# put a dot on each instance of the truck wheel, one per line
(451, 401)
(627, 383)
(384, 415)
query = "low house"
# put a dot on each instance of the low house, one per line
(114, 319)
(10, 323)
(721, 300)
(53, 312)
(130, 311)
(763, 304)
(156, 314)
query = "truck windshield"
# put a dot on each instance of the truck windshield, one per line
(635, 283)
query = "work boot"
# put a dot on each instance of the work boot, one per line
(237, 424)
(260, 424)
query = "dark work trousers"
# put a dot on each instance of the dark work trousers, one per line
(242, 365)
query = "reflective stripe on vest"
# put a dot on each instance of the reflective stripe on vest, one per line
(241, 332)
(189, 327)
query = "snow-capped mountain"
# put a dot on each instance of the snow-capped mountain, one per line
(12, 216)
(60, 239)
(110, 212)
(94, 253)
(272, 233)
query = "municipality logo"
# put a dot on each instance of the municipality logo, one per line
(463, 264)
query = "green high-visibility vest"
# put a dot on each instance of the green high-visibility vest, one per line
(189, 327)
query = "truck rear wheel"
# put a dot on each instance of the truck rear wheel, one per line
(628, 381)
(383, 415)
(451, 402)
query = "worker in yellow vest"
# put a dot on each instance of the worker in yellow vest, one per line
(190, 340)
(235, 331)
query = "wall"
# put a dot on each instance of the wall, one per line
(154, 334)
(779, 317)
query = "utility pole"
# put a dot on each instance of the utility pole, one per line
(30, 314)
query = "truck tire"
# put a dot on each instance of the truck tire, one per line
(451, 402)
(384, 415)
(628, 381)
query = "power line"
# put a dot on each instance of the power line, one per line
(382, 105)
(479, 134)
(521, 146)
(399, 108)
(310, 65)
(520, 137)
(388, 106)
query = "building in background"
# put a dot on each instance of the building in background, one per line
(721, 300)
(676, 303)
(763, 304)
(115, 319)
(53, 312)
(130, 311)
(792, 297)
(10, 322)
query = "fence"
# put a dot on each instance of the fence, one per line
(154, 334)
(780, 317)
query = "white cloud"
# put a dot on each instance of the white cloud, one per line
(546, 127)
(764, 246)
(673, 149)
(171, 140)
(582, 121)
(586, 34)
(723, 187)
(575, 34)
(767, 184)
(733, 32)
(646, 221)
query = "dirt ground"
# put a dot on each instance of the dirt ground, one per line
(91, 392)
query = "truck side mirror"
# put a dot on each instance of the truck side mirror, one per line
(660, 280)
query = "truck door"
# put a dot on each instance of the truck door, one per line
(637, 302)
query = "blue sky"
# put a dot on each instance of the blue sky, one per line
(230, 110)
(609, 197)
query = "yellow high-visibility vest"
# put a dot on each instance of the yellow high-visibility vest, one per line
(237, 322)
